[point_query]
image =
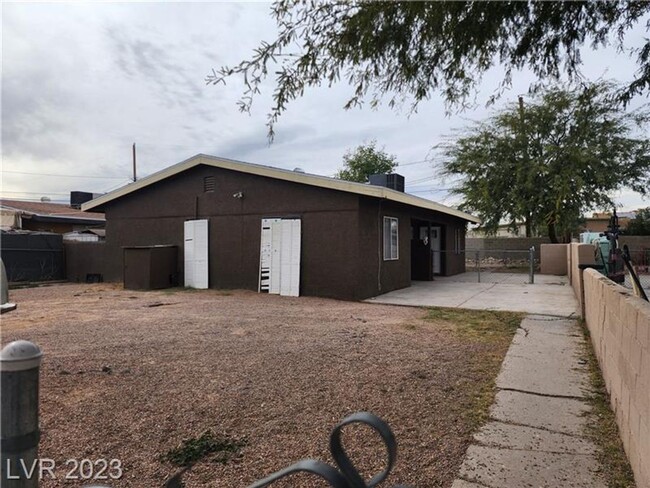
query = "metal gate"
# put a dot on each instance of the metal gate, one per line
(509, 266)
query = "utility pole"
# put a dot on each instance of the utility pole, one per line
(134, 174)
(522, 131)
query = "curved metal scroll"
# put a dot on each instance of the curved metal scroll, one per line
(346, 476)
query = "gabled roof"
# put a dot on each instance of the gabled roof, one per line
(280, 174)
(48, 209)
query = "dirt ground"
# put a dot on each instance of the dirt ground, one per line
(128, 375)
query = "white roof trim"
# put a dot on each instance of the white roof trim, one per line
(280, 174)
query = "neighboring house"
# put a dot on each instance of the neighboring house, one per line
(46, 217)
(599, 221)
(240, 225)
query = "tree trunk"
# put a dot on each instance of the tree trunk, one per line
(529, 230)
(551, 233)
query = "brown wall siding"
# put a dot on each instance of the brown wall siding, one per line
(378, 276)
(342, 250)
(155, 215)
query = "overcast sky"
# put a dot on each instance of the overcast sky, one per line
(81, 82)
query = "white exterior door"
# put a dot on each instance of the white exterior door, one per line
(196, 253)
(270, 256)
(280, 257)
(290, 258)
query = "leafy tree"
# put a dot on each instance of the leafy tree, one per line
(364, 161)
(640, 224)
(410, 50)
(547, 163)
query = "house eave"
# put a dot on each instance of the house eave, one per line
(98, 204)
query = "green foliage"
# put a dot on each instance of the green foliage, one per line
(364, 161)
(640, 224)
(193, 450)
(547, 163)
(410, 50)
(479, 325)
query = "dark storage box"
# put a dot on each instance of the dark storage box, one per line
(150, 267)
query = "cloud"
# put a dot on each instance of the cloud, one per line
(83, 81)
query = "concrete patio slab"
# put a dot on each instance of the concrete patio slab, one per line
(536, 435)
(551, 296)
(508, 468)
(499, 434)
(545, 362)
(562, 415)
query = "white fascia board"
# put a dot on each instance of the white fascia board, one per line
(281, 174)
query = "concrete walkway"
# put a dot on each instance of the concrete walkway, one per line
(550, 295)
(535, 436)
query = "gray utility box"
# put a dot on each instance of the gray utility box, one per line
(391, 180)
(150, 267)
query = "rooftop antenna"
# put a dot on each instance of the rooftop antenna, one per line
(134, 174)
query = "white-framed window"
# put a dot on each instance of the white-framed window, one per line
(391, 239)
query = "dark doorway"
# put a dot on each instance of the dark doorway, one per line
(421, 256)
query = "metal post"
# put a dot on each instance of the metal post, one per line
(19, 368)
(478, 265)
(531, 261)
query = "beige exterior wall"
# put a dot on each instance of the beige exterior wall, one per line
(553, 259)
(579, 254)
(9, 219)
(619, 324)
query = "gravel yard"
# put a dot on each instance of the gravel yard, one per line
(129, 375)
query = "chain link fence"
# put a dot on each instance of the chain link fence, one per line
(497, 266)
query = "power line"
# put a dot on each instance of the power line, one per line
(414, 162)
(35, 192)
(65, 176)
(430, 190)
(36, 200)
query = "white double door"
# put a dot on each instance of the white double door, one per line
(280, 257)
(196, 253)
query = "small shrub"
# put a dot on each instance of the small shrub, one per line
(192, 450)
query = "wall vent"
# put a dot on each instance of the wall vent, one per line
(209, 183)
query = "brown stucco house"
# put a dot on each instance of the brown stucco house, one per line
(336, 238)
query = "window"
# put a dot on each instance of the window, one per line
(391, 239)
(208, 183)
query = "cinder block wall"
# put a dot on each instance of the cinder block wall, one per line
(619, 324)
(553, 259)
(579, 254)
(487, 244)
